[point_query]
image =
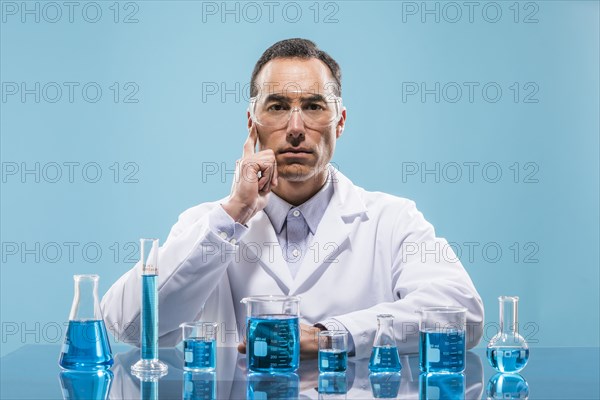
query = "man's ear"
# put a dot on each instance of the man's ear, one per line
(339, 129)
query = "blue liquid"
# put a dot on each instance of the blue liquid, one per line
(199, 386)
(507, 386)
(448, 386)
(442, 351)
(149, 318)
(385, 384)
(149, 390)
(272, 386)
(80, 385)
(86, 346)
(508, 359)
(199, 354)
(332, 383)
(385, 359)
(273, 343)
(333, 360)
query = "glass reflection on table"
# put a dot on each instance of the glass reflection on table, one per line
(447, 386)
(84, 385)
(272, 386)
(385, 385)
(507, 386)
(332, 385)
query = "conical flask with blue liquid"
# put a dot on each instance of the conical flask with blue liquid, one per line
(86, 346)
(385, 356)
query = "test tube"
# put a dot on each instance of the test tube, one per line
(149, 364)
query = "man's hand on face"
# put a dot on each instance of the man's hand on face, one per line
(255, 175)
(309, 342)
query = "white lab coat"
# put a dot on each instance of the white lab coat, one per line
(373, 253)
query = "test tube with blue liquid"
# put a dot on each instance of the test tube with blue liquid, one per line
(199, 346)
(149, 364)
(442, 339)
(333, 351)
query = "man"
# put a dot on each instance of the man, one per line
(294, 225)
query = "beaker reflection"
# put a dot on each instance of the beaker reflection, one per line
(199, 385)
(282, 386)
(507, 386)
(332, 385)
(385, 385)
(85, 385)
(441, 386)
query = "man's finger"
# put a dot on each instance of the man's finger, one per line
(250, 143)
(242, 348)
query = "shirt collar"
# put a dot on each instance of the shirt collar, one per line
(312, 209)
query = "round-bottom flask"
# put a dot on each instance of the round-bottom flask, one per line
(508, 351)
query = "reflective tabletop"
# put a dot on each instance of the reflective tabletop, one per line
(32, 372)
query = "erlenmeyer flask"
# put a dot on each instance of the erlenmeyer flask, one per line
(384, 356)
(86, 345)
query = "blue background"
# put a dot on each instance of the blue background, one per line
(178, 132)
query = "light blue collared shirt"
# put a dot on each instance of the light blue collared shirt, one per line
(295, 227)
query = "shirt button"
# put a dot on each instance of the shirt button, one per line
(295, 253)
(223, 235)
(296, 213)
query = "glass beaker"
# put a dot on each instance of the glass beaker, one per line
(199, 346)
(149, 364)
(86, 345)
(442, 339)
(384, 356)
(272, 333)
(508, 351)
(199, 385)
(333, 351)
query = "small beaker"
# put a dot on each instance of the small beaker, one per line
(86, 345)
(333, 351)
(199, 346)
(442, 339)
(272, 333)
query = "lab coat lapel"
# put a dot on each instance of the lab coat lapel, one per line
(261, 241)
(333, 233)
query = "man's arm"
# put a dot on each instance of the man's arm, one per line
(192, 262)
(424, 272)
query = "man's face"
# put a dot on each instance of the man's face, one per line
(302, 149)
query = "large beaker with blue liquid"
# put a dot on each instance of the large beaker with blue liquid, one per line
(86, 346)
(272, 333)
